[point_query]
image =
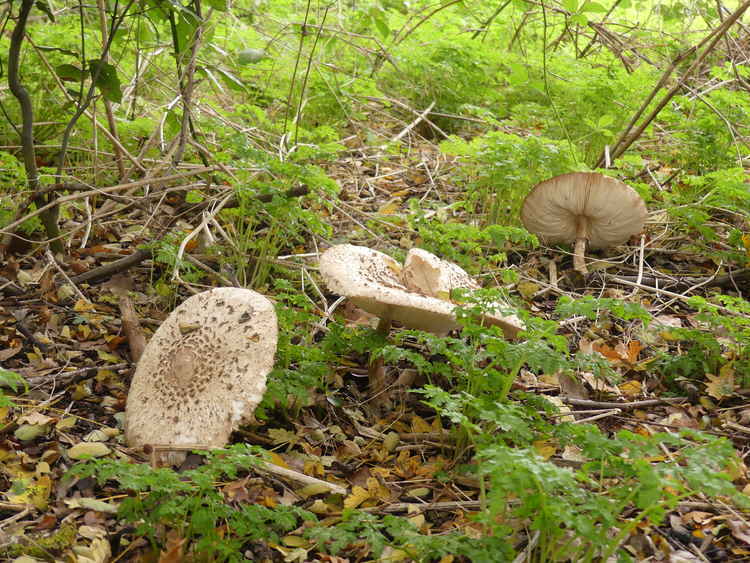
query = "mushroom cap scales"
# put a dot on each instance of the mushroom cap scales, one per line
(415, 295)
(203, 371)
(613, 210)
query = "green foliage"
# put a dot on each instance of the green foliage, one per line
(499, 169)
(301, 363)
(264, 229)
(452, 72)
(191, 503)
(704, 353)
(12, 380)
(473, 248)
(575, 512)
(593, 308)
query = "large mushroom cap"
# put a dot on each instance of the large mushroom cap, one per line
(378, 284)
(203, 371)
(612, 210)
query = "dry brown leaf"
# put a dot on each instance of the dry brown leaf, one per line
(722, 385)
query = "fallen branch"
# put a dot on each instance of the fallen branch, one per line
(615, 405)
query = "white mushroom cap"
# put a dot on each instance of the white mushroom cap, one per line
(426, 273)
(373, 281)
(204, 370)
(611, 211)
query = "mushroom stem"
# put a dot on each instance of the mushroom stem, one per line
(376, 371)
(582, 238)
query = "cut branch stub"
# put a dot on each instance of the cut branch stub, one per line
(585, 209)
(203, 372)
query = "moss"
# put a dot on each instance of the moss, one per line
(42, 547)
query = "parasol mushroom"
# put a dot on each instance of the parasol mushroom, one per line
(415, 295)
(203, 371)
(584, 208)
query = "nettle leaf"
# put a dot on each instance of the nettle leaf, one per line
(106, 80)
(69, 72)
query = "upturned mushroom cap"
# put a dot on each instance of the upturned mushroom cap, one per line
(374, 281)
(203, 371)
(426, 273)
(612, 211)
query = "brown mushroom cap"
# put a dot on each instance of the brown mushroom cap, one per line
(612, 211)
(203, 371)
(376, 283)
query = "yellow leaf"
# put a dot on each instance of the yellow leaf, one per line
(722, 385)
(358, 496)
(391, 207)
(746, 243)
(419, 424)
(630, 388)
(544, 448)
(32, 491)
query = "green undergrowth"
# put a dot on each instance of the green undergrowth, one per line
(501, 438)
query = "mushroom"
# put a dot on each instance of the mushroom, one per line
(203, 371)
(427, 274)
(586, 208)
(416, 295)
(375, 282)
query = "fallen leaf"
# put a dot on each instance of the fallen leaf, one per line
(722, 385)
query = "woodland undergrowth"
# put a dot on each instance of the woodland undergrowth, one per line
(152, 150)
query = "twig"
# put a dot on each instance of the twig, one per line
(114, 267)
(57, 267)
(117, 188)
(299, 477)
(411, 125)
(626, 138)
(132, 328)
(615, 405)
(443, 506)
(677, 296)
(69, 377)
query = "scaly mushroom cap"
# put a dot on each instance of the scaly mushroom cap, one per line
(373, 281)
(203, 371)
(613, 211)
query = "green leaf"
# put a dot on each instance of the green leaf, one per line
(250, 56)
(570, 5)
(580, 19)
(380, 21)
(219, 5)
(12, 379)
(70, 73)
(187, 25)
(518, 74)
(593, 7)
(232, 82)
(106, 80)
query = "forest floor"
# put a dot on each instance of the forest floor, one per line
(62, 330)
